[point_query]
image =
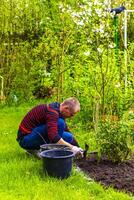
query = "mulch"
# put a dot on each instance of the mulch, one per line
(119, 176)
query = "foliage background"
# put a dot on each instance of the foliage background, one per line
(67, 48)
(56, 49)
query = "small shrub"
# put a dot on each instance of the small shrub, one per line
(114, 140)
(42, 92)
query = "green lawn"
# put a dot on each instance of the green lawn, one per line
(22, 178)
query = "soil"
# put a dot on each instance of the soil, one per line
(119, 176)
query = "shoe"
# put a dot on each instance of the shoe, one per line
(35, 153)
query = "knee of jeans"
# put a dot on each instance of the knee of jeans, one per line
(61, 123)
(24, 143)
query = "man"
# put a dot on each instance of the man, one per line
(46, 124)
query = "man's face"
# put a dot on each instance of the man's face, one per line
(67, 113)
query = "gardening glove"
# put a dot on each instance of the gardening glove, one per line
(77, 151)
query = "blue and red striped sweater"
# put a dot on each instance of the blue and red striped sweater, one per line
(43, 114)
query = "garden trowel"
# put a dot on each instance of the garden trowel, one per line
(86, 150)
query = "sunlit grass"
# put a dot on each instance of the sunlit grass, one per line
(22, 177)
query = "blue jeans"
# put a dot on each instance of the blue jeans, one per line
(39, 136)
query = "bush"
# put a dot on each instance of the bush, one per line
(42, 92)
(114, 140)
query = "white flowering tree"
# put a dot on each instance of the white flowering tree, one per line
(98, 79)
(65, 46)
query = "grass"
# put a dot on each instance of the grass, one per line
(22, 177)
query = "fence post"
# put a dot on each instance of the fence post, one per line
(2, 97)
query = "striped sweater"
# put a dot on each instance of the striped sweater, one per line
(43, 114)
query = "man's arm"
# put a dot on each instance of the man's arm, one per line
(66, 127)
(76, 150)
(61, 141)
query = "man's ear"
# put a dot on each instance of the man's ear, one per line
(66, 107)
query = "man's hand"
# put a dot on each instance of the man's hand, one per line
(77, 151)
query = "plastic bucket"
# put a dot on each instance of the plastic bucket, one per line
(53, 146)
(57, 162)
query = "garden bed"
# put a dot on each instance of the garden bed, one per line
(119, 176)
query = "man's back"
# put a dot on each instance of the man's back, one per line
(35, 117)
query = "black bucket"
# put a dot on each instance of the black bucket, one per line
(57, 162)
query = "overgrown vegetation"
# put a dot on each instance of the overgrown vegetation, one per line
(114, 140)
(66, 48)
(56, 49)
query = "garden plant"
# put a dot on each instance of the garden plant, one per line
(114, 140)
(51, 50)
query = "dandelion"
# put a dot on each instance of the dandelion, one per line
(82, 6)
(61, 7)
(89, 12)
(111, 46)
(101, 30)
(96, 2)
(86, 53)
(26, 5)
(98, 12)
(90, 4)
(69, 8)
(99, 50)
(106, 2)
(112, 14)
(80, 23)
(118, 85)
(105, 34)
(130, 112)
(74, 14)
(89, 41)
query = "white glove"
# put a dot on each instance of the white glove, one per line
(77, 151)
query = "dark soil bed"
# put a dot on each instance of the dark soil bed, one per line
(119, 176)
